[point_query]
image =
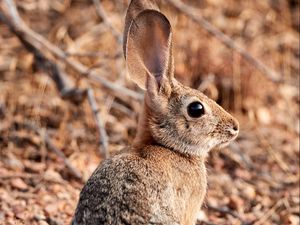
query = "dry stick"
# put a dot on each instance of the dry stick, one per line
(102, 14)
(36, 39)
(73, 94)
(191, 13)
(25, 31)
(53, 148)
(19, 175)
(269, 213)
(118, 36)
(247, 162)
(93, 55)
(226, 211)
(274, 154)
(100, 124)
(204, 222)
(60, 154)
(122, 108)
(13, 12)
(67, 92)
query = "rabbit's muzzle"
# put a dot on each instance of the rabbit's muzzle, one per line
(228, 131)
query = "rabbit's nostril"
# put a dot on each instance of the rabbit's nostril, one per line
(235, 127)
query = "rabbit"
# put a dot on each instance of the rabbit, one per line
(161, 178)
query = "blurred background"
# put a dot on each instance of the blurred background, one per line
(54, 133)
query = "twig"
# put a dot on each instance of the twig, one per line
(37, 40)
(263, 139)
(122, 108)
(100, 124)
(243, 159)
(108, 104)
(92, 54)
(53, 148)
(204, 222)
(225, 210)
(102, 14)
(60, 154)
(268, 214)
(19, 175)
(191, 13)
(67, 92)
(13, 11)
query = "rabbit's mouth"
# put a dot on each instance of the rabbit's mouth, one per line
(224, 144)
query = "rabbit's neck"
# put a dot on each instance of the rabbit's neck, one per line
(143, 136)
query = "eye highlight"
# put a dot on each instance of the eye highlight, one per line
(195, 110)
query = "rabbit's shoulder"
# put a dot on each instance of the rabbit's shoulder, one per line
(128, 187)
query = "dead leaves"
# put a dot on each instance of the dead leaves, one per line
(256, 180)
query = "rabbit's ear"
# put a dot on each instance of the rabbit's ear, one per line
(149, 56)
(136, 7)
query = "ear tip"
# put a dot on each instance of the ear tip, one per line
(134, 8)
(149, 21)
(146, 20)
(148, 47)
(154, 15)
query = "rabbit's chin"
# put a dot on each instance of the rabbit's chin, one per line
(201, 150)
(223, 145)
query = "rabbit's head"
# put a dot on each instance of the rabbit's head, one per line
(175, 116)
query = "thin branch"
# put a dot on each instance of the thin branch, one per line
(204, 222)
(19, 175)
(225, 210)
(263, 139)
(191, 13)
(102, 14)
(37, 40)
(60, 154)
(11, 6)
(242, 159)
(122, 108)
(92, 55)
(49, 144)
(63, 84)
(100, 124)
(269, 213)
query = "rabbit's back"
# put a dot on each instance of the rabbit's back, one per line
(152, 186)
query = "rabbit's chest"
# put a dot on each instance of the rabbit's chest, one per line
(182, 194)
(190, 180)
(189, 192)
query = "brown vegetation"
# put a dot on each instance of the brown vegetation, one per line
(59, 98)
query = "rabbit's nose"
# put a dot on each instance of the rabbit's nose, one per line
(234, 127)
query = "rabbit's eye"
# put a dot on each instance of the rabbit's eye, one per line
(195, 109)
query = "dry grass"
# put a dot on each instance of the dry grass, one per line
(254, 181)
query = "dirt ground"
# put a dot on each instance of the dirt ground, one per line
(255, 180)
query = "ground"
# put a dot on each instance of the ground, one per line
(255, 180)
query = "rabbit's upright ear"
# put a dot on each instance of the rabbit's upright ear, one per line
(136, 7)
(149, 56)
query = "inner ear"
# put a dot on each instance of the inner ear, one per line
(154, 52)
(149, 48)
(134, 9)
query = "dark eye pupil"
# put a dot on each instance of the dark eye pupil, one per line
(195, 109)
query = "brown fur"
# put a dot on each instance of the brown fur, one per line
(161, 179)
(153, 186)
